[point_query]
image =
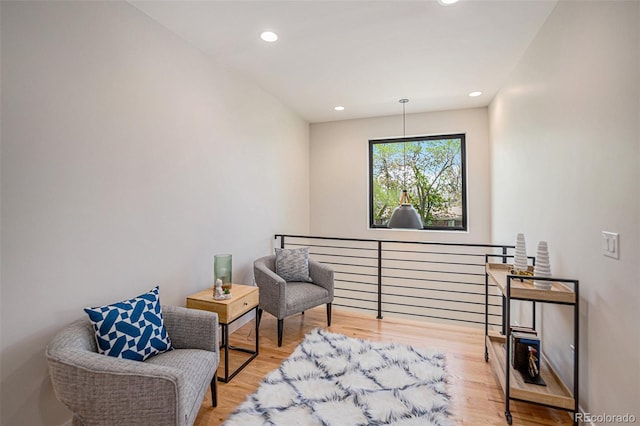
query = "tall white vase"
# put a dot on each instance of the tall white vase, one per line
(520, 259)
(542, 268)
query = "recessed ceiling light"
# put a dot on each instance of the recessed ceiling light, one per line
(474, 94)
(269, 36)
(447, 2)
(339, 108)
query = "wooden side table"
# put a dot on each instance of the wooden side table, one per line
(245, 299)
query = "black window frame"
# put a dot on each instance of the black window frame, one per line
(463, 159)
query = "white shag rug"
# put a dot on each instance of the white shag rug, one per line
(334, 380)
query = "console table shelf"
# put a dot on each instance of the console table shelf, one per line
(555, 393)
(524, 290)
(497, 345)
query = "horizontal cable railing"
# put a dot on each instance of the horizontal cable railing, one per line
(436, 281)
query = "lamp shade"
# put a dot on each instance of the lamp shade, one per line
(405, 216)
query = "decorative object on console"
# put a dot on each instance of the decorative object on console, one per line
(525, 350)
(520, 259)
(222, 269)
(405, 216)
(542, 268)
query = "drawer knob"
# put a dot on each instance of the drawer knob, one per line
(246, 303)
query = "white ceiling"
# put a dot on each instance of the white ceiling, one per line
(364, 55)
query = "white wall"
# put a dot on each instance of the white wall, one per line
(566, 166)
(128, 160)
(340, 173)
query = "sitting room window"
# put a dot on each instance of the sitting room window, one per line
(430, 168)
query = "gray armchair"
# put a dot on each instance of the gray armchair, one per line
(281, 298)
(166, 389)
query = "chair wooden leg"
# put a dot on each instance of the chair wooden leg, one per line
(328, 314)
(280, 327)
(214, 390)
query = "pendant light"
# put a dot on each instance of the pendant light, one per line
(405, 216)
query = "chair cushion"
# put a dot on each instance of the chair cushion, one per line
(302, 296)
(131, 329)
(197, 367)
(293, 264)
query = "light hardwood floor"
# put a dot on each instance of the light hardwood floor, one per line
(476, 395)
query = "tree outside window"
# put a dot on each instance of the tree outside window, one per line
(430, 168)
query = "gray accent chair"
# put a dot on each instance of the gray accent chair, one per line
(281, 298)
(166, 389)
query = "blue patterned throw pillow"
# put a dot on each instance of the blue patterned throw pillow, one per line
(293, 264)
(131, 329)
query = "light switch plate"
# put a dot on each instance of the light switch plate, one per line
(610, 244)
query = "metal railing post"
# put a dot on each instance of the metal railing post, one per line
(379, 280)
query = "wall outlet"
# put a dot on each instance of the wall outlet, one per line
(610, 244)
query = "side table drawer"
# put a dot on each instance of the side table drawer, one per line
(203, 305)
(241, 305)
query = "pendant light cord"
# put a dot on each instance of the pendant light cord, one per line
(404, 151)
(404, 146)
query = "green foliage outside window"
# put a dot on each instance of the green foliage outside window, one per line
(430, 168)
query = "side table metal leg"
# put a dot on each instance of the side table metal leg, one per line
(257, 331)
(225, 333)
(507, 415)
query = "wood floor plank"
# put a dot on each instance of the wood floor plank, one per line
(477, 398)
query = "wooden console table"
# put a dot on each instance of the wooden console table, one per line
(556, 393)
